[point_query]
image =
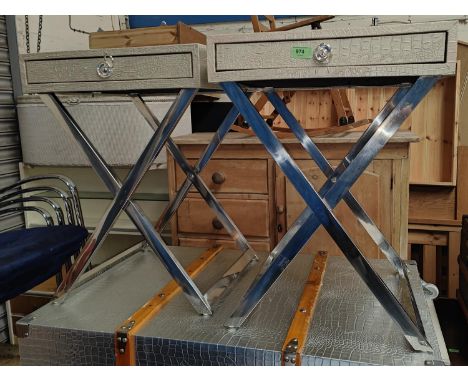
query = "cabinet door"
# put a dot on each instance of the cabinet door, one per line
(373, 190)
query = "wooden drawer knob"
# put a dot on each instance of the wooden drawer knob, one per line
(216, 224)
(218, 178)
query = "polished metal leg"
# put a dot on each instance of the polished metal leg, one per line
(195, 179)
(361, 215)
(322, 208)
(218, 137)
(134, 177)
(248, 255)
(135, 213)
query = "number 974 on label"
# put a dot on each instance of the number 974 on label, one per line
(301, 52)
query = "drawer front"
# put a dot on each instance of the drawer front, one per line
(194, 216)
(257, 245)
(125, 68)
(376, 50)
(383, 51)
(118, 69)
(232, 176)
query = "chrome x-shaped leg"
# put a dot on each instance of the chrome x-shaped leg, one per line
(362, 217)
(122, 195)
(195, 179)
(320, 205)
(327, 169)
(248, 256)
(200, 302)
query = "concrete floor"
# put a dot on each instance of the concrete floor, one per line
(9, 355)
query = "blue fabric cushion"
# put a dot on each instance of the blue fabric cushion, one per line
(31, 256)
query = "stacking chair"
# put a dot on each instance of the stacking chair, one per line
(30, 256)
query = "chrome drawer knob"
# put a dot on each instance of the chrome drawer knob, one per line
(105, 69)
(322, 53)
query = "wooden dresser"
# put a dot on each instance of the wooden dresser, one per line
(264, 204)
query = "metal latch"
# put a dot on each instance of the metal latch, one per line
(22, 326)
(122, 337)
(290, 356)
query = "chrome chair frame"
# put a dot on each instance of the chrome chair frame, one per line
(16, 195)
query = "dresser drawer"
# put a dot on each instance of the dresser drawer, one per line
(257, 245)
(232, 176)
(161, 67)
(250, 216)
(403, 50)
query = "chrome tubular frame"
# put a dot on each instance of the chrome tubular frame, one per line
(67, 203)
(320, 204)
(72, 189)
(44, 214)
(57, 209)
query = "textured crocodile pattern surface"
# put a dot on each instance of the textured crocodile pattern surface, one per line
(167, 339)
(60, 334)
(47, 346)
(349, 325)
(116, 129)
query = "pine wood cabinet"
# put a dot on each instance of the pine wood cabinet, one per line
(263, 204)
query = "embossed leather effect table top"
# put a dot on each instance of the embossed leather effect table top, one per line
(377, 55)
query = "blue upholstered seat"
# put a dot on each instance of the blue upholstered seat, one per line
(31, 256)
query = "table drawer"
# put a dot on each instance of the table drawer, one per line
(250, 216)
(402, 50)
(170, 66)
(232, 176)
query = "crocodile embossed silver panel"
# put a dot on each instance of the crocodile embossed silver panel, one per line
(178, 336)
(113, 124)
(349, 326)
(58, 346)
(85, 323)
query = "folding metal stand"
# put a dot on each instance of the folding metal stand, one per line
(123, 192)
(320, 204)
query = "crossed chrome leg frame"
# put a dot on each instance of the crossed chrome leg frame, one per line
(319, 210)
(123, 192)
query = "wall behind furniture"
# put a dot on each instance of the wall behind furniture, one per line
(341, 22)
(57, 34)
